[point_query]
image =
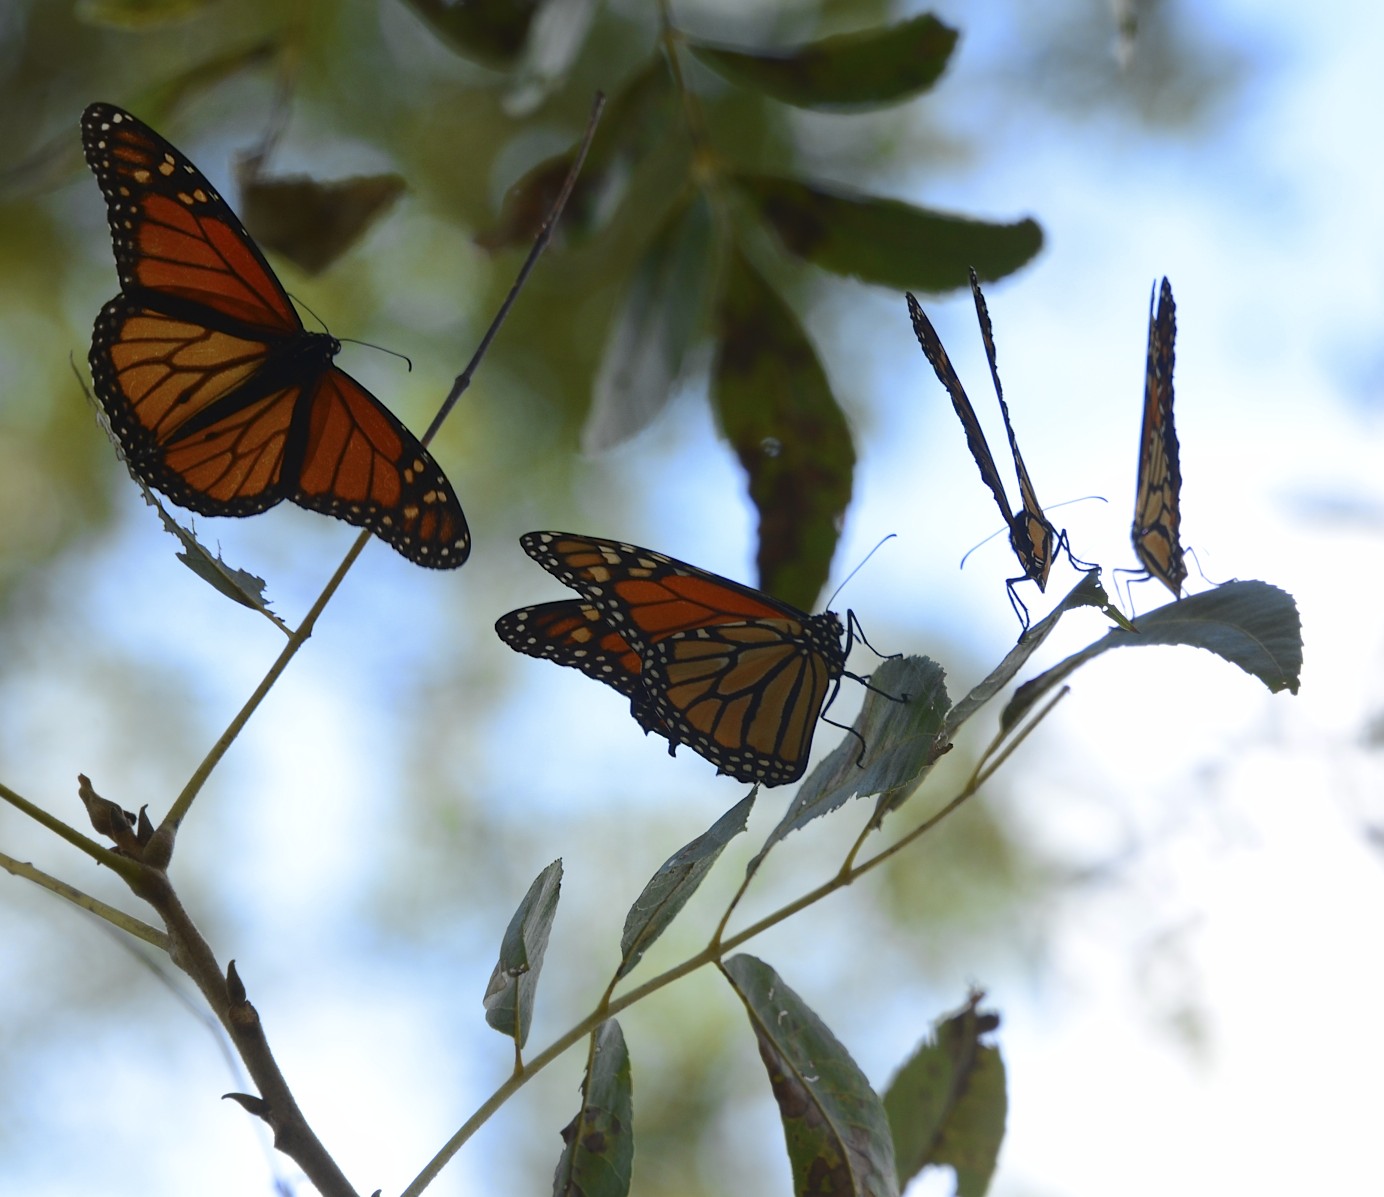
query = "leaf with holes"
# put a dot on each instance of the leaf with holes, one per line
(948, 1102)
(599, 1151)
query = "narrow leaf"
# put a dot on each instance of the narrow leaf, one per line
(510, 994)
(675, 882)
(599, 1154)
(867, 69)
(1251, 624)
(886, 241)
(837, 1133)
(948, 1102)
(655, 326)
(490, 32)
(898, 739)
(1086, 593)
(777, 410)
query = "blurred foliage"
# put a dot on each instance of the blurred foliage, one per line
(705, 170)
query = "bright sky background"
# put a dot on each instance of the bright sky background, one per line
(1202, 1021)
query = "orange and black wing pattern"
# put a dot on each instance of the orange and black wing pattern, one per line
(573, 632)
(734, 674)
(1157, 517)
(217, 394)
(1030, 534)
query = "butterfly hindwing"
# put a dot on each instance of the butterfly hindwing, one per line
(218, 395)
(1157, 516)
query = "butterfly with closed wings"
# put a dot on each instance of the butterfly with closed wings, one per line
(734, 674)
(1031, 534)
(218, 395)
(1157, 515)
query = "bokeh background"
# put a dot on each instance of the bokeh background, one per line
(1171, 894)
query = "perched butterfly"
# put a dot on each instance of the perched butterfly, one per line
(737, 676)
(1157, 519)
(1031, 535)
(218, 395)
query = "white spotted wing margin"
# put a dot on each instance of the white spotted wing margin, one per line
(675, 882)
(598, 1156)
(509, 996)
(834, 1124)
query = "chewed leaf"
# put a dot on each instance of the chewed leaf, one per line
(836, 1130)
(599, 1152)
(776, 407)
(510, 994)
(675, 882)
(655, 326)
(850, 70)
(948, 1102)
(885, 241)
(897, 731)
(1251, 624)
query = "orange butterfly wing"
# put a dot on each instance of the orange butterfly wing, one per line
(1157, 514)
(734, 674)
(218, 395)
(573, 632)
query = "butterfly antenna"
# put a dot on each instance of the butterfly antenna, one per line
(540, 242)
(408, 361)
(882, 541)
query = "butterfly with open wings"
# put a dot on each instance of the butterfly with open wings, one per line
(218, 395)
(734, 674)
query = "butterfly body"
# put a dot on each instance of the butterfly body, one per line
(733, 673)
(1156, 531)
(218, 395)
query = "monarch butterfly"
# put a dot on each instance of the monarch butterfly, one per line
(218, 395)
(1030, 533)
(734, 674)
(1157, 518)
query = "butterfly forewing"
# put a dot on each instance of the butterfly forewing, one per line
(1030, 533)
(1157, 518)
(218, 395)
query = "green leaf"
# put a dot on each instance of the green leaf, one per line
(838, 1137)
(510, 994)
(312, 223)
(138, 14)
(1086, 593)
(675, 882)
(899, 742)
(886, 241)
(633, 121)
(947, 1104)
(1251, 624)
(867, 69)
(777, 409)
(490, 32)
(655, 326)
(599, 1155)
